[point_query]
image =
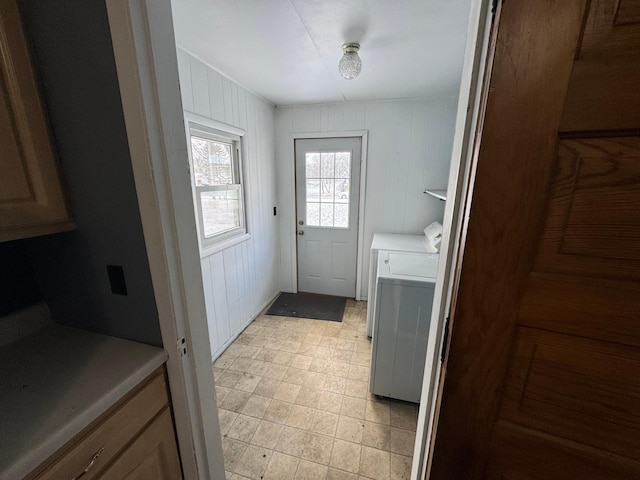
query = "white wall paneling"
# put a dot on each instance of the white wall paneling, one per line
(409, 149)
(242, 279)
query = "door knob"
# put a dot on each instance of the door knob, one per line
(301, 222)
(301, 232)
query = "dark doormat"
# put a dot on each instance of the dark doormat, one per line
(309, 305)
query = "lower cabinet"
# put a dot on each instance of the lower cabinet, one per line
(135, 439)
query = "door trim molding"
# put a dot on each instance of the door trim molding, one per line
(363, 134)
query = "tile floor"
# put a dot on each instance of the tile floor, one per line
(294, 404)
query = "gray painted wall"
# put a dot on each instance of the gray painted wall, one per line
(72, 52)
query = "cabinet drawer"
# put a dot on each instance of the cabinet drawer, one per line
(107, 438)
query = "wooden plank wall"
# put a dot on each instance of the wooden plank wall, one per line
(409, 149)
(240, 280)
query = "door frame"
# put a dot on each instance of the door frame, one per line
(147, 68)
(293, 232)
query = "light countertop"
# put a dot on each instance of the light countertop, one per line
(55, 381)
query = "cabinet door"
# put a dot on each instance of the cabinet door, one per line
(31, 198)
(153, 454)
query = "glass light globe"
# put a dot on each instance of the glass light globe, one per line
(350, 63)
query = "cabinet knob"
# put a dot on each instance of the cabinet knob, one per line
(89, 465)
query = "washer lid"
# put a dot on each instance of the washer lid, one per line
(413, 265)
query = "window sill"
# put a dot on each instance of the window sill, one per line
(218, 247)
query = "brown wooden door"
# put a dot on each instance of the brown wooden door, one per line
(542, 380)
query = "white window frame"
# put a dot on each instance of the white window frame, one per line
(199, 126)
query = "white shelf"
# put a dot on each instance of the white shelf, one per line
(439, 194)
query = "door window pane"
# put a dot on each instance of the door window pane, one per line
(341, 216)
(328, 178)
(326, 215)
(313, 214)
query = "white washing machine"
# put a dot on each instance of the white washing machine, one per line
(395, 242)
(404, 299)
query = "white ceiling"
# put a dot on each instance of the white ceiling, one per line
(288, 50)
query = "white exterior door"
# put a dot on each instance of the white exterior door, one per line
(328, 189)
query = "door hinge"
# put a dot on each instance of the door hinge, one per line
(182, 346)
(445, 340)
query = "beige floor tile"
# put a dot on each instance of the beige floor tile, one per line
(323, 422)
(400, 467)
(300, 417)
(275, 371)
(256, 406)
(350, 429)
(292, 441)
(320, 364)
(274, 343)
(378, 412)
(363, 346)
(287, 392)
(334, 384)
(375, 463)
(235, 476)
(281, 467)
(324, 352)
(318, 448)
(295, 376)
(353, 407)
(329, 342)
(226, 419)
(250, 351)
(257, 367)
(308, 397)
(290, 346)
(356, 388)
(339, 369)
(308, 349)
(267, 387)
(312, 338)
(224, 360)
(232, 451)
(345, 456)
(221, 393)
(301, 361)
(342, 355)
(330, 402)
(235, 400)
(404, 417)
(243, 428)
(311, 471)
(229, 379)
(283, 358)
(278, 411)
(313, 379)
(361, 358)
(217, 373)
(234, 349)
(345, 344)
(357, 372)
(240, 364)
(267, 434)
(335, 474)
(248, 383)
(376, 435)
(402, 441)
(254, 462)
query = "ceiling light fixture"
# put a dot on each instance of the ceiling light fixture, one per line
(350, 63)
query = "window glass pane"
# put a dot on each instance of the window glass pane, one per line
(212, 162)
(327, 164)
(342, 190)
(313, 214)
(343, 164)
(326, 189)
(220, 211)
(326, 215)
(341, 216)
(312, 162)
(313, 190)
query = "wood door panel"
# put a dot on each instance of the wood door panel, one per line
(589, 307)
(523, 454)
(593, 219)
(556, 381)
